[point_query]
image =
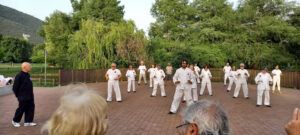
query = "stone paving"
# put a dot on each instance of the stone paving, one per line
(140, 114)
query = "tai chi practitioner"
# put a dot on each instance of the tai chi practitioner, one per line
(158, 77)
(276, 73)
(169, 72)
(113, 75)
(206, 76)
(130, 74)
(242, 75)
(151, 72)
(226, 71)
(142, 68)
(183, 81)
(194, 84)
(263, 79)
(232, 78)
(197, 69)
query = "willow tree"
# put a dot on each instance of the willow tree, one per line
(96, 44)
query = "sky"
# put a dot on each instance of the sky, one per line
(137, 10)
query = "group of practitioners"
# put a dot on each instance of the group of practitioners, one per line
(186, 79)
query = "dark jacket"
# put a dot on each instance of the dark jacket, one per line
(23, 87)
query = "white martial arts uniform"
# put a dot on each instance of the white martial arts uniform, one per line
(263, 81)
(241, 81)
(131, 79)
(194, 87)
(232, 79)
(197, 69)
(113, 84)
(183, 88)
(158, 77)
(205, 75)
(276, 79)
(151, 71)
(142, 69)
(227, 70)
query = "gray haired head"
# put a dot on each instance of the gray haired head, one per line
(113, 64)
(209, 117)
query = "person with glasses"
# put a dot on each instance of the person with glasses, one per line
(204, 117)
(113, 75)
(183, 81)
(242, 75)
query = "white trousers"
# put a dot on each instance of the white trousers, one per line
(203, 85)
(226, 76)
(260, 96)
(131, 82)
(194, 95)
(178, 96)
(162, 88)
(231, 81)
(198, 79)
(151, 81)
(276, 80)
(142, 76)
(240, 83)
(113, 85)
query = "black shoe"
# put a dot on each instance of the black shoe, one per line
(268, 105)
(152, 96)
(246, 97)
(200, 95)
(119, 101)
(138, 84)
(128, 91)
(228, 91)
(165, 96)
(171, 113)
(233, 97)
(257, 105)
(183, 102)
(211, 95)
(145, 83)
(134, 91)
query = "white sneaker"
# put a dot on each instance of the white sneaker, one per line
(30, 124)
(15, 124)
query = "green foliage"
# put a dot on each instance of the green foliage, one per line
(38, 54)
(15, 50)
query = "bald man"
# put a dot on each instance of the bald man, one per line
(23, 90)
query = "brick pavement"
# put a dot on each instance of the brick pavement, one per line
(139, 114)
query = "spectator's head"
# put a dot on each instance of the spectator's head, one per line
(26, 67)
(81, 112)
(242, 66)
(276, 67)
(192, 67)
(158, 66)
(227, 64)
(169, 64)
(142, 62)
(204, 117)
(184, 63)
(153, 66)
(233, 68)
(113, 66)
(130, 67)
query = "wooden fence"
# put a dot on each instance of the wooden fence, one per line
(289, 79)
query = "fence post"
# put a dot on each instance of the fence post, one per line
(59, 77)
(72, 72)
(84, 75)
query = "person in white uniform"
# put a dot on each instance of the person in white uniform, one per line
(183, 81)
(151, 72)
(206, 76)
(113, 75)
(197, 69)
(232, 78)
(276, 73)
(195, 75)
(130, 74)
(158, 77)
(142, 68)
(242, 75)
(263, 81)
(226, 71)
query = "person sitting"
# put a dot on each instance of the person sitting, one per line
(81, 112)
(204, 117)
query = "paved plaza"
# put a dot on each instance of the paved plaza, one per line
(140, 114)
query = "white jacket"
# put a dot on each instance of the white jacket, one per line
(159, 75)
(263, 81)
(131, 74)
(242, 76)
(205, 75)
(183, 75)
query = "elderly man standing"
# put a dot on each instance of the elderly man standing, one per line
(183, 81)
(113, 75)
(226, 71)
(276, 73)
(263, 79)
(204, 117)
(241, 74)
(23, 90)
(169, 72)
(142, 68)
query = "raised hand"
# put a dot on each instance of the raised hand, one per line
(293, 127)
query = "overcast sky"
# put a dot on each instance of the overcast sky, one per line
(137, 10)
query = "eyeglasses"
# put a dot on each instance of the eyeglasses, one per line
(181, 129)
